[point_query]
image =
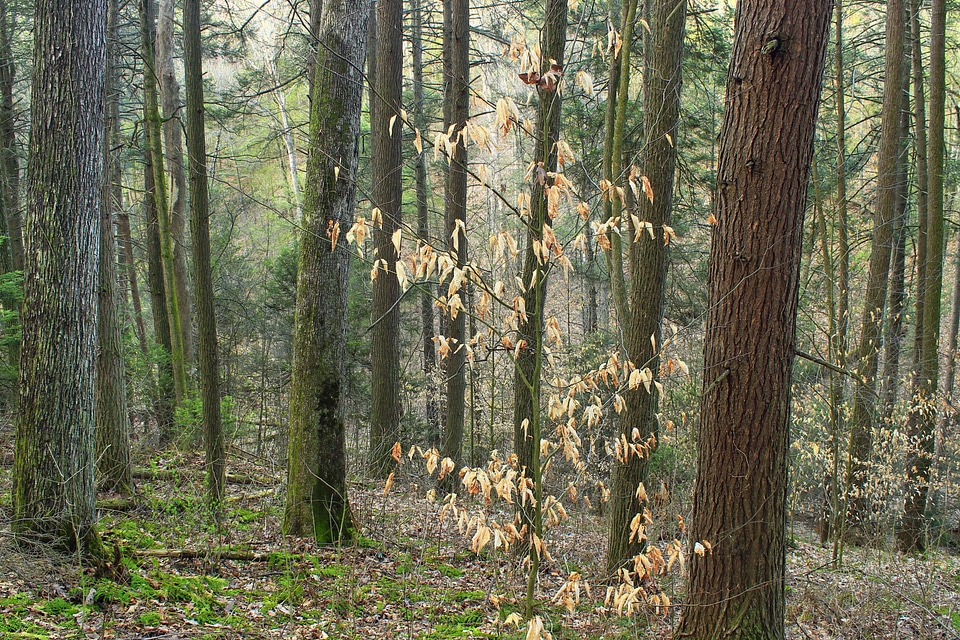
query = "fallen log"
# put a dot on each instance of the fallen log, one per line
(202, 554)
(179, 474)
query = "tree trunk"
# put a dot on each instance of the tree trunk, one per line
(456, 110)
(865, 393)
(386, 135)
(164, 401)
(615, 122)
(112, 417)
(842, 261)
(53, 474)
(923, 416)
(127, 264)
(895, 329)
(317, 502)
(215, 459)
(423, 227)
(648, 262)
(9, 163)
(527, 416)
(173, 151)
(920, 129)
(736, 591)
(152, 129)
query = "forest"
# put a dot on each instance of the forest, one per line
(529, 320)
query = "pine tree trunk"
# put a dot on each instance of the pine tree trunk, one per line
(386, 129)
(173, 153)
(456, 110)
(317, 502)
(923, 416)
(215, 459)
(865, 393)
(648, 261)
(53, 474)
(766, 145)
(112, 417)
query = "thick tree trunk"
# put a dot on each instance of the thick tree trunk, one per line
(456, 110)
(112, 417)
(923, 417)
(736, 591)
(173, 151)
(386, 134)
(865, 393)
(53, 474)
(316, 478)
(215, 459)
(648, 262)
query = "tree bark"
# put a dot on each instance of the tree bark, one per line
(164, 401)
(317, 501)
(865, 393)
(127, 264)
(423, 227)
(895, 330)
(173, 151)
(456, 110)
(53, 474)
(920, 129)
(215, 460)
(386, 129)
(922, 423)
(10, 170)
(527, 416)
(648, 261)
(112, 417)
(152, 129)
(766, 145)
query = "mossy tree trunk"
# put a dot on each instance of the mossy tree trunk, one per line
(740, 496)
(112, 417)
(154, 138)
(648, 264)
(53, 475)
(215, 460)
(173, 153)
(456, 110)
(386, 135)
(317, 503)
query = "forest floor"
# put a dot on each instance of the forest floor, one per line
(407, 576)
